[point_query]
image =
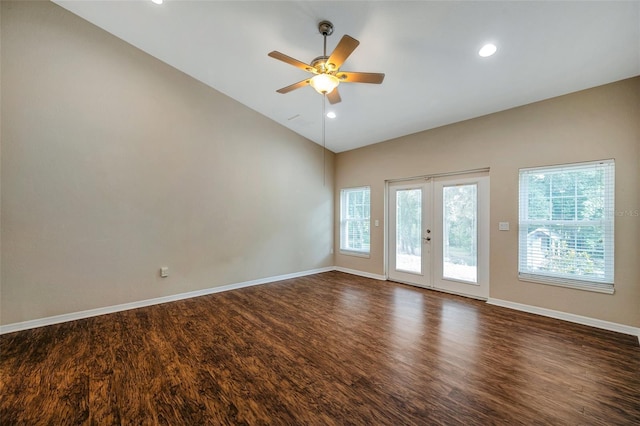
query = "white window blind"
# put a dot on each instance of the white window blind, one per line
(566, 232)
(355, 211)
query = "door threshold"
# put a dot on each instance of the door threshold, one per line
(440, 290)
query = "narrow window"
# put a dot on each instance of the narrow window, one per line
(566, 225)
(355, 211)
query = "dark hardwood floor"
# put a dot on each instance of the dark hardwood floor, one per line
(320, 350)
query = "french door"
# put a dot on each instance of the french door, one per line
(438, 233)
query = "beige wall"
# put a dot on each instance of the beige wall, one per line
(600, 123)
(114, 164)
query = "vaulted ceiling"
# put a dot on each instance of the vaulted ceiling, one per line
(427, 49)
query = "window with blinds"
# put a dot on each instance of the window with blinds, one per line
(355, 211)
(567, 225)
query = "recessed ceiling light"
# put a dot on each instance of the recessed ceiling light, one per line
(157, 1)
(331, 114)
(487, 50)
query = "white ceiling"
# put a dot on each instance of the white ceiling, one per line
(427, 49)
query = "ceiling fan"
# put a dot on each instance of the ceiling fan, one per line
(327, 68)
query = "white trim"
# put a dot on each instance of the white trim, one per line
(360, 273)
(42, 322)
(570, 166)
(578, 319)
(355, 253)
(57, 319)
(437, 175)
(565, 282)
(441, 290)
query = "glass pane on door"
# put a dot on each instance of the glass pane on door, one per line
(409, 230)
(460, 232)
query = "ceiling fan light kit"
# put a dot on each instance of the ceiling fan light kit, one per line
(324, 83)
(327, 68)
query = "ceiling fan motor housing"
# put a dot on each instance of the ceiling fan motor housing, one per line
(320, 64)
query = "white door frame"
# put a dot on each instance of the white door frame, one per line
(480, 289)
(423, 278)
(435, 280)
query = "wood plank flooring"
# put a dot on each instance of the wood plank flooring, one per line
(328, 349)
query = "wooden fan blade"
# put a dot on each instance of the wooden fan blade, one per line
(345, 47)
(293, 86)
(291, 61)
(334, 96)
(360, 77)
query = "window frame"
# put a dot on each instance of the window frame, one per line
(344, 221)
(606, 223)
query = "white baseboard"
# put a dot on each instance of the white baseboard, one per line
(42, 322)
(360, 273)
(578, 319)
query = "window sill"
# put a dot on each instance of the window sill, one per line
(355, 253)
(578, 285)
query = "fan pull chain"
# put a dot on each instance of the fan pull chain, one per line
(324, 161)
